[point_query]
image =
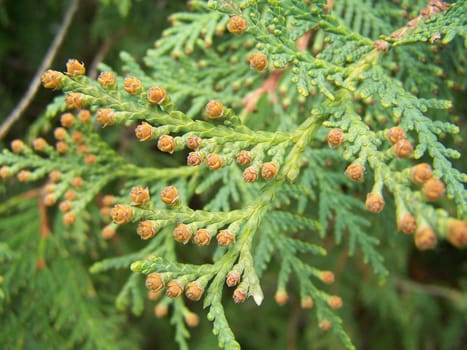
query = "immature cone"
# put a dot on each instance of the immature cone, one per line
(335, 137)
(268, 170)
(225, 238)
(139, 195)
(60, 133)
(77, 137)
(237, 25)
(74, 100)
(156, 95)
(23, 175)
(108, 200)
(161, 310)
(213, 161)
(250, 174)
(146, 229)
(327, 277)
(403, 149)
(108, 232)
(70, 195)
(39, 144)
(214, 109)
(406, 223)
(433, 189)
(90, 159)
(374, 202)
(194, 291)
(457, 232)
(77, 182)
(154, 282)
(355, 172)
(144, 131)
(55, 175)
(395, 134)
(121, 214)
(132, 85)
(50, 200)
(421, 173)
(325, 325)
(194, 159)
(4, 172)
(84, 116)
(106, 80)
(335, 302)
(307, 302)
(17, 146)
(166, 143)
(202, 237)
(425, 238)
(65, 206)
(75, 68)
(239, 295)
(105, 116)
(191, 319)
(69, 218)
(281, 297)
(82, 149)
(174, 289)
(193, 142)
(243, 158)
(182, 233)
(52, 79)
(232, 278)
(258, 61)
(61, 147)
(169, 195)
(154, 295)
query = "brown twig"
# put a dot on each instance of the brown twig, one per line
(46, 63)
(447, 293)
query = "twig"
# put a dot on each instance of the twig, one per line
(447, 293)
(46, 63)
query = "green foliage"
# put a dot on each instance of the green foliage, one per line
(260, 178)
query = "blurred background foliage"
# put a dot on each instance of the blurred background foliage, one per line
(421, 306)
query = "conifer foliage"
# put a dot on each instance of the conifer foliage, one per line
(258, 139)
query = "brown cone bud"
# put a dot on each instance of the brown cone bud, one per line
(156, 95)
(239, 295)
(108, 232)
(202, 237)
(70, 195)
(144, 131)
(193, 142)
(457, 232)
(258, 61)
(194, 291)
(146, 229)
(214, 109)
(421, 173)
(90, 159)
(403, 149)
(395, 134)
(77, 137)
(161, 310)
(174, 289)
(355, 172)
(406, 223)
(268, 170)
(52, 79)
(225, 238)
(325, 325)
(152, 295)
(194, 159)
(232, 278)
(65, 206)
(60, 133)
(425, 238)
(50, 200)
(307, 302)
(250, 174)
(237, 24)
(75, 100)
(169, 195)
(4, 172)
(335, 137)
(77, 182)
(433, 189)
(327, 277)
(108, 200)
(106, 80)
(166, 143)
(214, 161)
(23, 176)
(191, 319)
(335, 302)
(121, 214)
(39, 144)
(75, 68)
(139, 195)
(182, 233)
(374, 202)
(61, 147)
(132, 85)
(17, 146)
(84, 116)
(105, 116)
(69, 218)
(243, 158)
(54, 175)
(154, 282)
(281, 297)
